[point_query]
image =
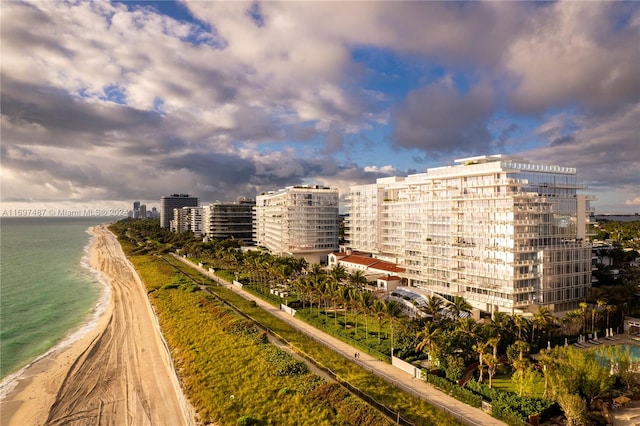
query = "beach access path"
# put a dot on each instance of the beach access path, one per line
(119, 373)
(464, 413)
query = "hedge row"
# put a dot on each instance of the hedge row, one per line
(458, 392)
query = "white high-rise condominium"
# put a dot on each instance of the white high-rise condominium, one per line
(300, 221)
(503, 233)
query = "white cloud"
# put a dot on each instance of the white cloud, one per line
(388, 169)
(633, 202)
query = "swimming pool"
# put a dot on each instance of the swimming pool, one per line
(634, 351)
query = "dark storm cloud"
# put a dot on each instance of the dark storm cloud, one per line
(440, 120)
(604, 149)
(64, 119)
(213, 167)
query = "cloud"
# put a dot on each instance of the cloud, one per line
(116, 101)
(576, 53)
(438, 119)
(388, 169)
(603, 148)
(633, 202)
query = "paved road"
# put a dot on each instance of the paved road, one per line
(463, 412)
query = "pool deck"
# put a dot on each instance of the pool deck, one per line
(629, 414)
(618, 339)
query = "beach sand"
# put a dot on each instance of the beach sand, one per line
(120, 372)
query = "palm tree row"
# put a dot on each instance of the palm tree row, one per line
(344, 293)
(451, 340)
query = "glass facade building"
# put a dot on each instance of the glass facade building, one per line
(175, 201)
(503, 233)
(298, 221)
(229, 220)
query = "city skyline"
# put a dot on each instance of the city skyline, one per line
(118, 102)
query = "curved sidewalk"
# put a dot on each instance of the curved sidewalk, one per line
(463, 412)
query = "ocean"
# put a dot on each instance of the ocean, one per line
(48, 293)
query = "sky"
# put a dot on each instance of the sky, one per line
(103, 103)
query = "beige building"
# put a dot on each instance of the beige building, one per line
(503, 233)
(299, 221)
(187, 219)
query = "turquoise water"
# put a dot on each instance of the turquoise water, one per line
(634, 351)
(46, 287)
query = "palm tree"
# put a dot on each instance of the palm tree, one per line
(334, 291)
(394, 310)
(354, 302)
(542, 321)
(317, 289)
(610, 308)
(520, 364)
(365, 302)
(433, 307)
(357, 279)
(345, 296)
(429, 338)
(572, 322)
(379, 309)
(480, 347)
(494, 342)
(521, 324)
(338, 273)
(316, 270)
(458, 307)
(601, 307)
(492, 362)
(501, 324)
(583, 306)
(468, 327)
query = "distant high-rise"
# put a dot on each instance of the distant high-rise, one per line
(501, 232)
(136, 209)
(174, 201)
(299, 221)
(143, 211)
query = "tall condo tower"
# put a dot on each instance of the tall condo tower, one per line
(175, 201)
(299, 221)
(503, 233)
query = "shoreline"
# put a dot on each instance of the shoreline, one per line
(118, 359)
(9, 382)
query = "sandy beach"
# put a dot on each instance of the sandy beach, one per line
(120, 372)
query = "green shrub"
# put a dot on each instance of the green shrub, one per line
(511, 408)
(285, 391)
(284, 364)
(458, 392)
(246, 421)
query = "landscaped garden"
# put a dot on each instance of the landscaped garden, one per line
(501, 361)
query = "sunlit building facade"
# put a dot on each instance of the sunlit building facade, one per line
(187, 219)
(503, 233)
(300, 221)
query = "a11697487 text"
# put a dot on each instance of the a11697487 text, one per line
(54, 212)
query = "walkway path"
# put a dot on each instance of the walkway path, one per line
(461, 411)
